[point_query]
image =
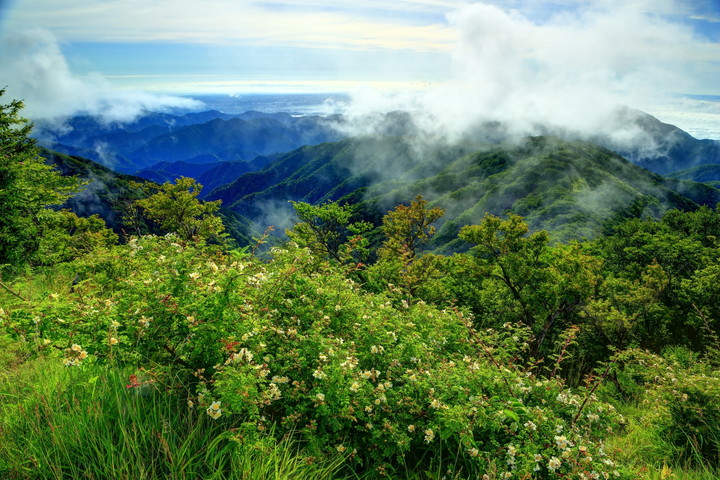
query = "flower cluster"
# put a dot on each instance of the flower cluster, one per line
(74, 355)
(214, 410)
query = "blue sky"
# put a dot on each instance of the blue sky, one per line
(639, 50)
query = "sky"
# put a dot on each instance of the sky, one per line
(524, 59)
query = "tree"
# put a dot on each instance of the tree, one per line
(28, 186)
(327, 231)
(526, 280)
(407, 228)
(175, 208)
(67, 236)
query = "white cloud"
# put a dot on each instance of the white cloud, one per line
(35, 70)
(571, 71)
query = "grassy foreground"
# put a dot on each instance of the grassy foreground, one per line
(84, 423)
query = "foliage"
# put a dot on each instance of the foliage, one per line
(400, 262)
(327, 230)
(683, 249)
(525, 280)
(286, 347)
(68, 236)
(684, 395)
(85, 423)
(27, 187)
(176, 209)
(201, 359)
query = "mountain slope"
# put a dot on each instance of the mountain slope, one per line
(573, 189)
(106, 194)
(708, 173)
(204, 137)
(657, 146)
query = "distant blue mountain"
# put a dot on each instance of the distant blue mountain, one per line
(200, 137)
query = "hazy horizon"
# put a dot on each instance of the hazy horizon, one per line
(565, 62)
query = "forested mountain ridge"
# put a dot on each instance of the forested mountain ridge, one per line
(111, 196)
(215, 137)
(105, 193)
(573, 189)
(660, 147)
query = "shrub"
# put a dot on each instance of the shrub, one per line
(294, 347)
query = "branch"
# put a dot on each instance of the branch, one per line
(597, 384)
(13, 292)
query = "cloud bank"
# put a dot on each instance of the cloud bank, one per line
(569, 72)
(35, 70)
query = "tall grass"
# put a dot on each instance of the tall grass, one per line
(654, 457)
(69, 423)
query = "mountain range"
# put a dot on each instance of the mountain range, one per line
(256, 162)
(572, 188)
(207, 137)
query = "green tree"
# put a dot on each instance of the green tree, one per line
(175, 208)
(526, 280)
(328, 232)
(67, 236)
(407, 228)
(684, 246)
(28, 186)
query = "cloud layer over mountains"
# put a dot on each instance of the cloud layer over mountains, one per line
(36, 71)
(570, 72)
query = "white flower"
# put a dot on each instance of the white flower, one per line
(411, 428)
(214, 410)
(553, 464)
(429, 435)
(530, 426)
(561, 441)
(321, 397)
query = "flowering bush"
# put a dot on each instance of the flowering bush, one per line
(294, 346)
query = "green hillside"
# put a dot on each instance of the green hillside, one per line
(708, 173)
(174, 354)
(572, 189)
(106, 193)
(109, 195)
